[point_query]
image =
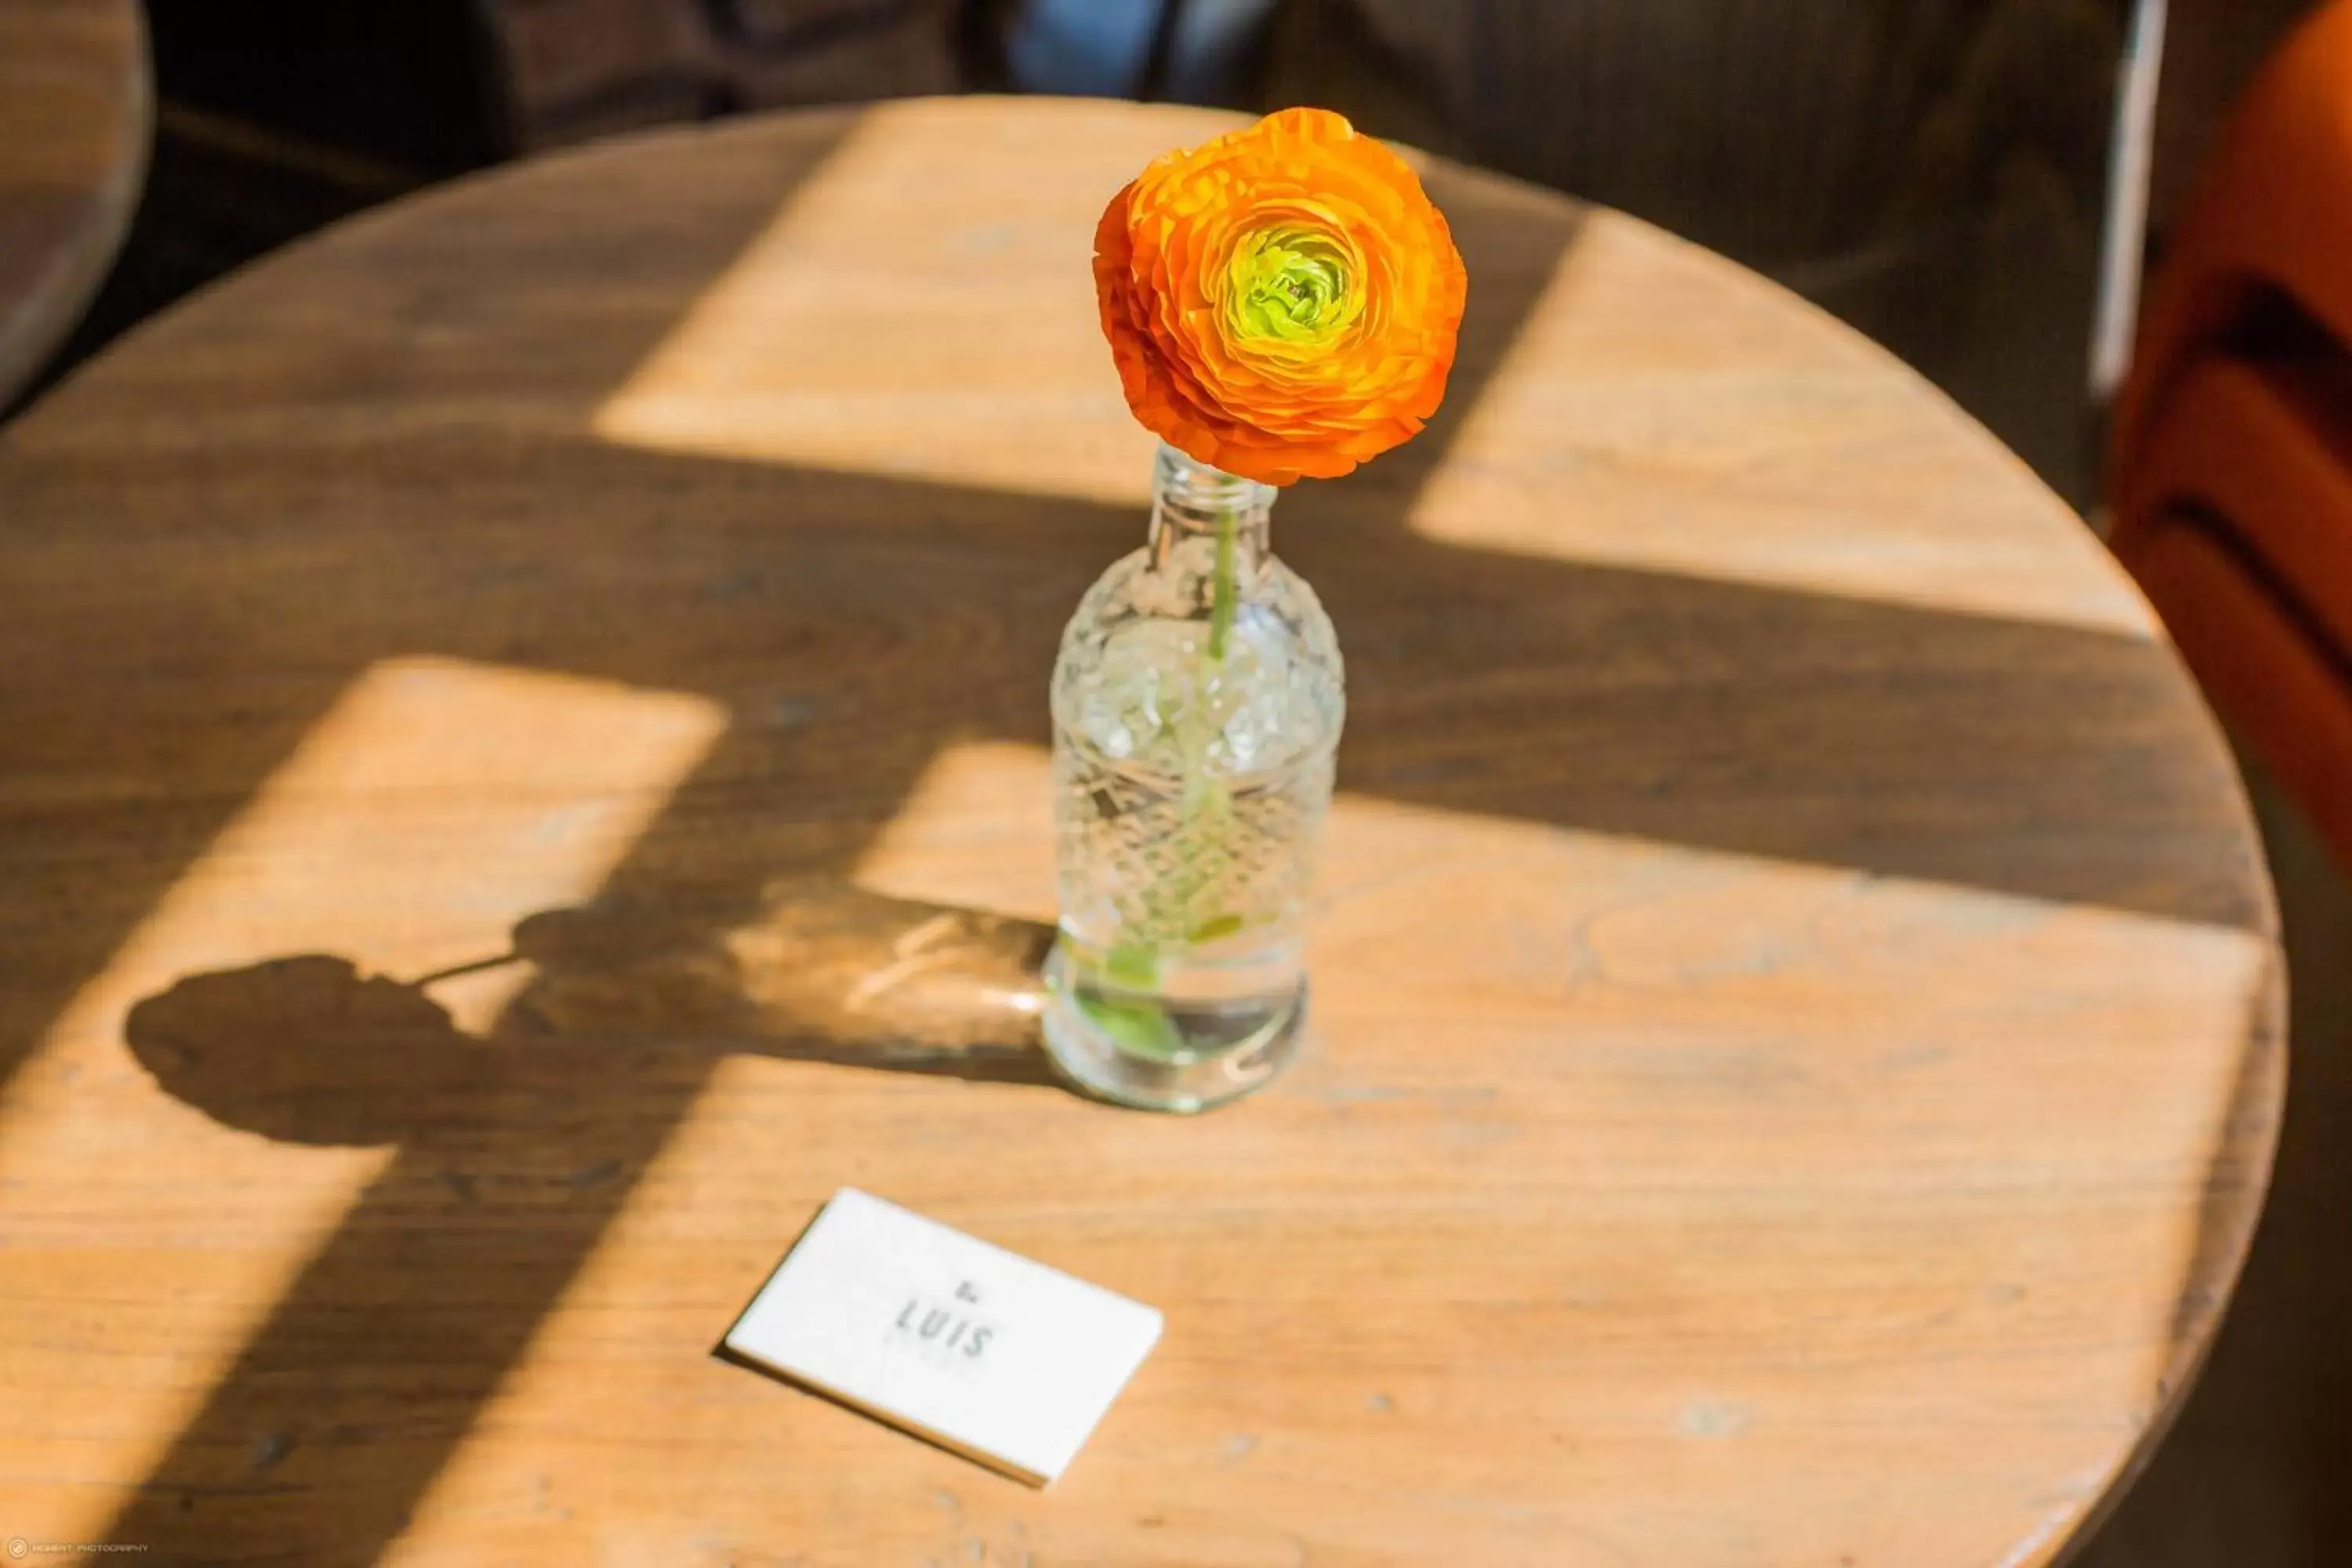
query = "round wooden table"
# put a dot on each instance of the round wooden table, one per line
(76, 105)
(526, 770)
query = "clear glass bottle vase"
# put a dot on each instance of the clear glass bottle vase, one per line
(1197, 705)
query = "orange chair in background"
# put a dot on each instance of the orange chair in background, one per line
(2231, 461)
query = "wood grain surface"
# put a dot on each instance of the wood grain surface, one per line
(77, 104)
(525, 769)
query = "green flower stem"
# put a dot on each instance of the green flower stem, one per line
(1207, 794)
(1221, 603)
(1137, 965)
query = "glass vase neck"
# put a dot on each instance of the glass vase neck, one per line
(1192, 500)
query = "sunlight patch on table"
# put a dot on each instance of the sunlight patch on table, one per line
(436, 804)
(1851, 1009)
(859, 334)
(1663, 410)
(976, 833)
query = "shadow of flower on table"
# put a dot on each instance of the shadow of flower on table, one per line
(307, 1048)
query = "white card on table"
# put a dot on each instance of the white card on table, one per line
(979, 1349)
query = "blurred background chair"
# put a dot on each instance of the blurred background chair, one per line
(2230, 479)
(2233, 456)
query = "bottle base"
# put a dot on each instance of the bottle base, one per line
(1092, 1042)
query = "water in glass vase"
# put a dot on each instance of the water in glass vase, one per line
(1197, 704)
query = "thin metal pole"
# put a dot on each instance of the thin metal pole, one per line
(2130, 160)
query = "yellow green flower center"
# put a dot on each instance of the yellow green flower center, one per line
(1291, 284)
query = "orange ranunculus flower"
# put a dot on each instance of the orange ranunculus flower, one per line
(1281, 301)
